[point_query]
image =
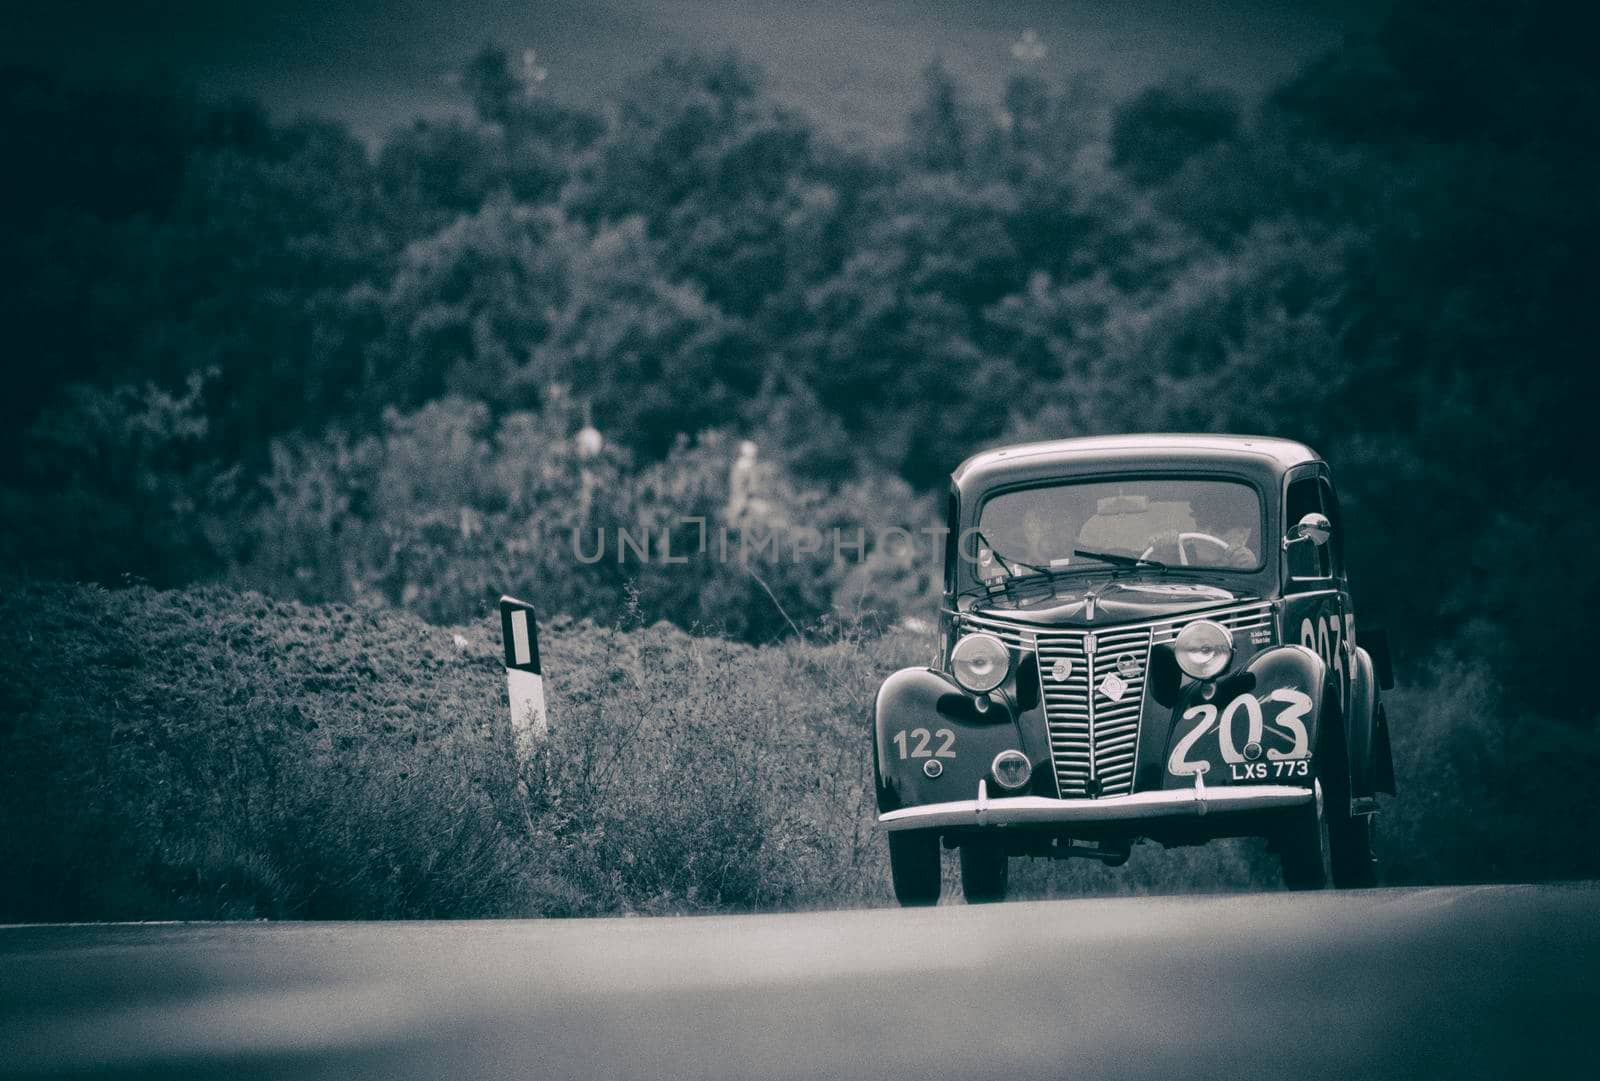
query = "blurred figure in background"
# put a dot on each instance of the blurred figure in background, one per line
(750, 483)
(587, 445)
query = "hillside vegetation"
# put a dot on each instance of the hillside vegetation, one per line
(267, 354)
(211, 754)
(300, 405)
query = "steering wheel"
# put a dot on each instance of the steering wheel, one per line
(1183, 556)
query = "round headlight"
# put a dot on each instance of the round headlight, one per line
(980, 662)
(1204, 648)
(1011, 768)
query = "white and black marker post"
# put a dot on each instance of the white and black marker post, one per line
(524, 678)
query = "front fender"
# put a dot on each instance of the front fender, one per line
(1263, 724)
(921, 715)
(1371, 769)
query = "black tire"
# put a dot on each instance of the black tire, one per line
(914, 865)
(1355, 867)
(985, 873)
(1303, 848)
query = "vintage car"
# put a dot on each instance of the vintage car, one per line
(1143, 637)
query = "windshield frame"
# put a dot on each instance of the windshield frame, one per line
(1263, 562)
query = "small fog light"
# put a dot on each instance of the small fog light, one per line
(1012, 769)
(933, 767)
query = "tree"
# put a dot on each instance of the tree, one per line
(940, 133)
(1164, 126)
(118, 484)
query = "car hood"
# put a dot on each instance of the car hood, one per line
(1107, 603)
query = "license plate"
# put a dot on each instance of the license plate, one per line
(1287, 770)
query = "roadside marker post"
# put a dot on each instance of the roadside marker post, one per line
(519, 630)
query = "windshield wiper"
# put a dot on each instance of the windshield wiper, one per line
(1007, 562)
(1122, 561)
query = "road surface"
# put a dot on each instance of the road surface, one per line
(1473, 982)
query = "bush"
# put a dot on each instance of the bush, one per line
(449, 507)
(212, 754)
(1484, 786)
(215, 754)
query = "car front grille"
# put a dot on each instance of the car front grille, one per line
(1094, 718)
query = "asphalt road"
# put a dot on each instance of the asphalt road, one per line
(1491, 982)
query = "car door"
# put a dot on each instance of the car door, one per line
(1341, 648)
(1317, 610)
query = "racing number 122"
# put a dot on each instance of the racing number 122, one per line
(922, 736)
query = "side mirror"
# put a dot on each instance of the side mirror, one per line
(1313, 527)
(1303, 544)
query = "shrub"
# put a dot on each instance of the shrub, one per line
(207, 753)
(449, 507)
(1482, 783)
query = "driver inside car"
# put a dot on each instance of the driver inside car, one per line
(1216, 539)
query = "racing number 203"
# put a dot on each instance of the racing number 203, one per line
(1290, 723)
(922, 738)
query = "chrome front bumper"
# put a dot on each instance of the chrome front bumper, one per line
(1040, 810)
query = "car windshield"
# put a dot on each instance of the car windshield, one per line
(1179, 522)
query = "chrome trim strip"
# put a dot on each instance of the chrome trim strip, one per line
(1092, 782)
(1256, 609)
(1041, 810)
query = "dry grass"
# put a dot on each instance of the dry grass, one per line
(205, 753)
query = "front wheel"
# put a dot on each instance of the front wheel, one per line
(1303, 847)
(985, 872)
(914, 865)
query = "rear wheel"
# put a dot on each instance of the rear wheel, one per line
(985, 872)
(914, 865)
(1350, 852)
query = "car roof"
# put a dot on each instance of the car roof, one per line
(1154, 450)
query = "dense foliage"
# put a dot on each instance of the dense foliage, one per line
(210, 754)
(268, 355)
